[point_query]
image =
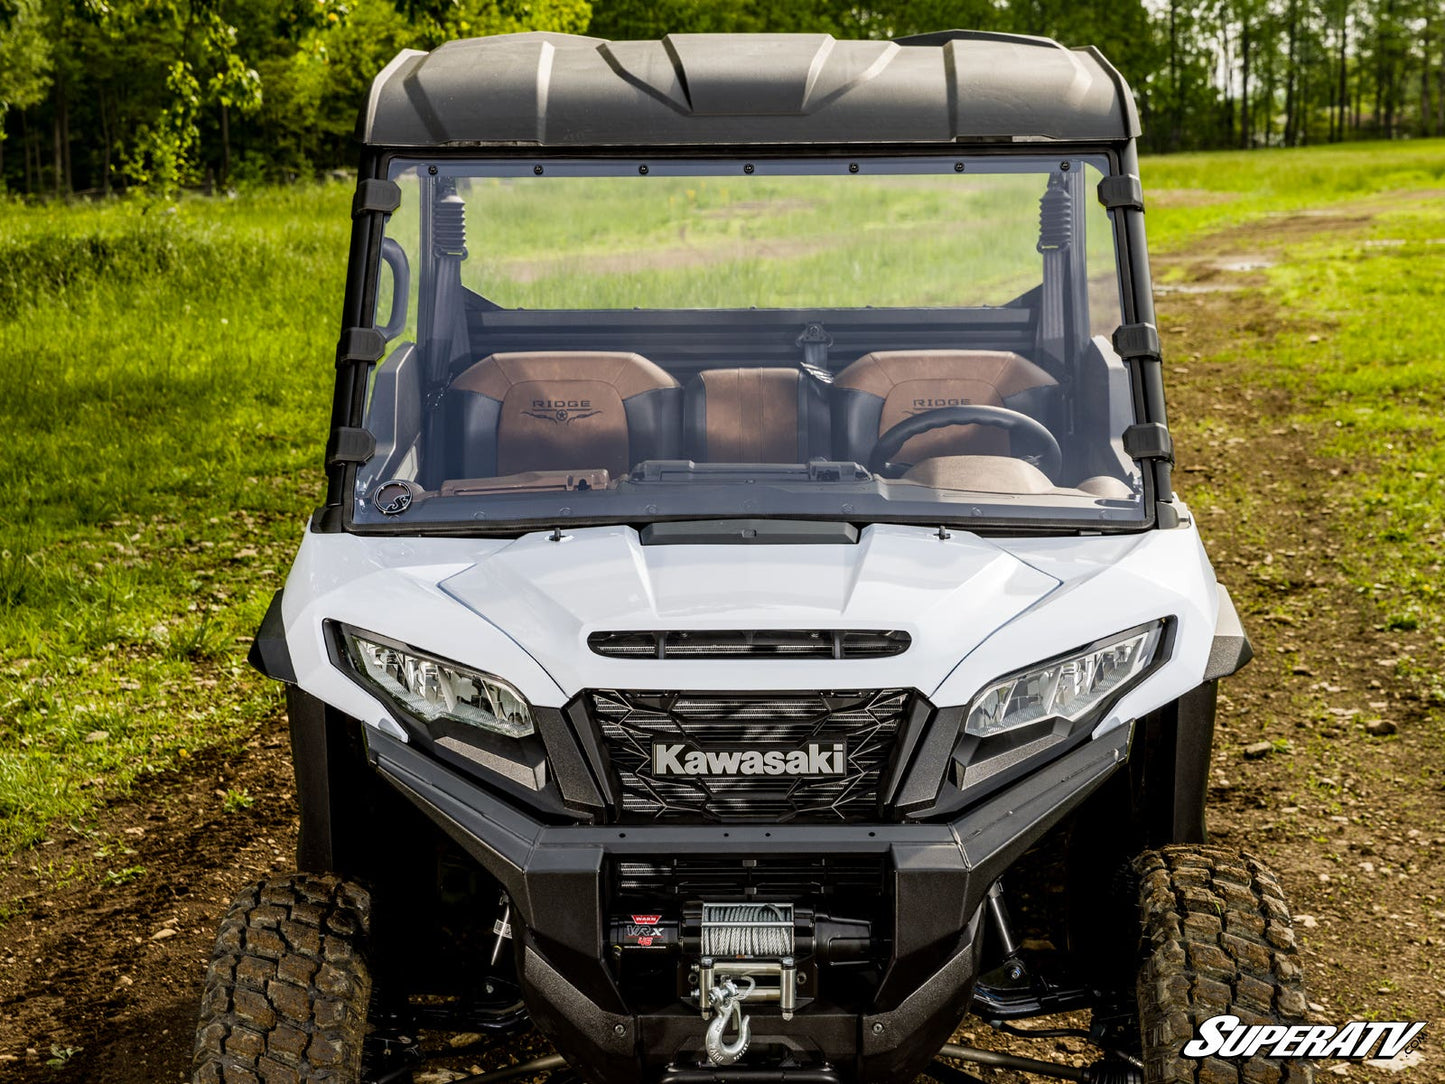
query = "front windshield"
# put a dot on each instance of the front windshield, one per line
(906, 340)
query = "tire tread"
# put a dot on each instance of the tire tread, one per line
(286, 992)
(1217, 939)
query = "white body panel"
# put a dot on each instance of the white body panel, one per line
(976, 608)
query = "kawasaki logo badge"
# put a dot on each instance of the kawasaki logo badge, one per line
(815, 758)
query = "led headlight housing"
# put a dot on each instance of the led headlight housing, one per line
(1065, 688)
(435, 689)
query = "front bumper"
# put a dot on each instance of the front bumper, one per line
(938, 877)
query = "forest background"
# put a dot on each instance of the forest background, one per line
(98, 96)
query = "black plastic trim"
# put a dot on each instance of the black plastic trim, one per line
(375, 196)
(269, 653)
(1231, 649)
(1136, 341)
(1193, 743)
(365, 344)
(349, 445)
(1121, 191)
(1149, 440)
(749, 532)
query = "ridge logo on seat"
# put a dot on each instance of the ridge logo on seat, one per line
(814, 758)
(561, 411)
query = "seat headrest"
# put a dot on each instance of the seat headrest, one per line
(628, 374)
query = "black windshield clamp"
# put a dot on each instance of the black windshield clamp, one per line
(375, 197)
(349, 445)
(360, 344)
(1149, 440)
(1121, 191)
(1136, 341)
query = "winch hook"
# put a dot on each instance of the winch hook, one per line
(727, 1003)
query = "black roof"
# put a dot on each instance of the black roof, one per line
(562, 90)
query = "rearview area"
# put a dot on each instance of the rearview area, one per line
(905, 340)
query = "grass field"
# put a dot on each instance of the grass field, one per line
(165, 396)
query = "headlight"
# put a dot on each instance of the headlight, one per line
(432, 688)
(1066, 688)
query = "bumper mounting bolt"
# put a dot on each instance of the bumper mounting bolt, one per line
(877, 1029)
(619, 1029)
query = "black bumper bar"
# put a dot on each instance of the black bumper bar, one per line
(939, 874)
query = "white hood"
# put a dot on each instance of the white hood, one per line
(523, 609)
(949, 594)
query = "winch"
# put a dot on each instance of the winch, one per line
(736, 951)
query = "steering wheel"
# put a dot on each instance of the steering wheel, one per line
(1050, 458)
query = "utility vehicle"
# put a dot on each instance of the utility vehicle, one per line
(750, 625)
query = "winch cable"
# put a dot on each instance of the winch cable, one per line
(746, 929)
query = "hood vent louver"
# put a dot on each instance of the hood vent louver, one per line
(766, 644)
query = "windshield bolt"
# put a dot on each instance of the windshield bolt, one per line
(432, 170)
(852, 167)
(748, 168)
(958, 167)
(642, 170)
(1064, 166)
(537, 170)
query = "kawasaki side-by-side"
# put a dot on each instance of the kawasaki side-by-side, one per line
(750, 626)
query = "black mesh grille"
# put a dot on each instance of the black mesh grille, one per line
(766, 644)
(864, 723)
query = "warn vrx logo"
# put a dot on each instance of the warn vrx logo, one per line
(815, 759)
(1230, 1037)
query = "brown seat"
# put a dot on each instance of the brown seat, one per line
(754, 416)
(561, 410)
(881, 389)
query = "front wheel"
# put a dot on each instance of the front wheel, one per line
(288, 985)
(1217, 940)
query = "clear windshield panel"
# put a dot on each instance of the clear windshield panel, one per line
(909, 340)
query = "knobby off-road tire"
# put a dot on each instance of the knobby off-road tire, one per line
(1217, 939)
(286, 993)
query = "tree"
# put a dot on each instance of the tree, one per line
(24, 62)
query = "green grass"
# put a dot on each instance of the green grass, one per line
(1372, 377)
(165, 393)
(1191, 194)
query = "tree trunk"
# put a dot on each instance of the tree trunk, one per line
(1425, 109)
(104, 113)
(1176, 130)
(225, 143)
(1226, 71)
(1440, 98)
(1290, 77)
(1245, 121)
(65, 142)
(57, 152)
(25, 150)
(1344, 50)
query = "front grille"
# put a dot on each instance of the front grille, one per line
(852, 879)
(864, 722)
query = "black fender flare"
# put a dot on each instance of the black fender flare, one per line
(1231, 648)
